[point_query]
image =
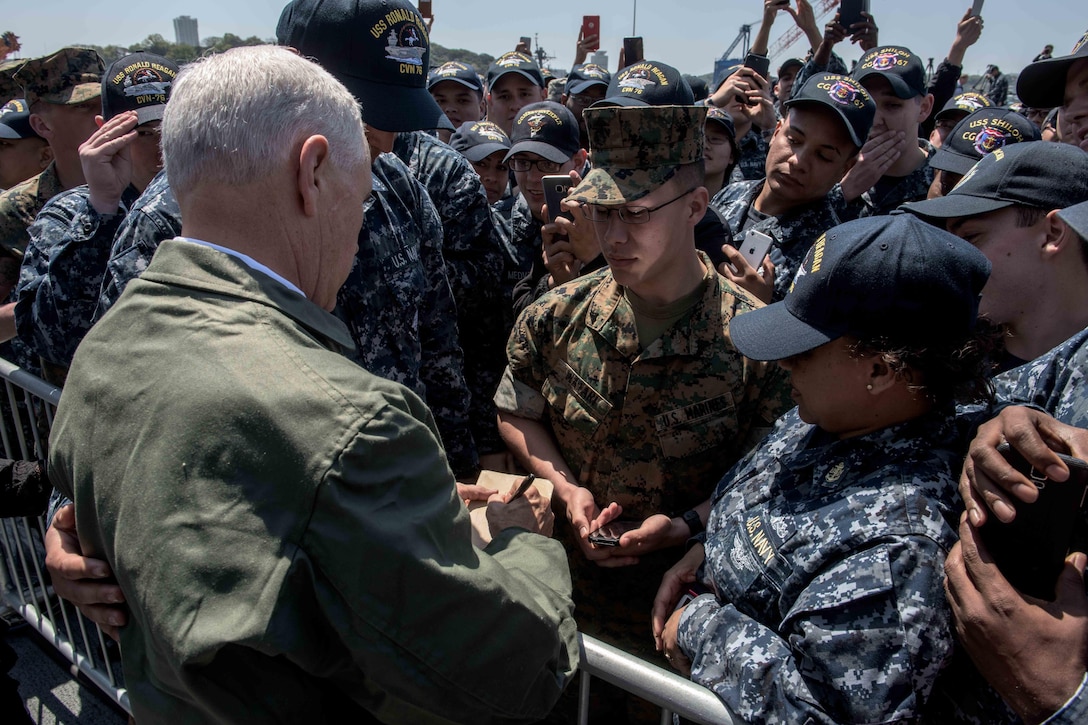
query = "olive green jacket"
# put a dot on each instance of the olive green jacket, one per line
(284, 524)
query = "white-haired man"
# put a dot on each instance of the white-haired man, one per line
(283, 524)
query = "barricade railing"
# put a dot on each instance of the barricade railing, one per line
(27, 408)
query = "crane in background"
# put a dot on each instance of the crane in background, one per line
(791, 36)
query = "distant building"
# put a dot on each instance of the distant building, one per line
(600, 57)
(185, 32)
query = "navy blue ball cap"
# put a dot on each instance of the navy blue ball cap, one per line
(964, 103)
(460, 73)
(15, 120)
(892, 277)
(648, 83)
(139, 82)
(1076, 217)
(586, 75)
(1042, 84)
(514, 62)
(476, 140)
(902, 68)
(379, 49)
(1034, 173)
(843, 95)
(546, 129)
(981, 133)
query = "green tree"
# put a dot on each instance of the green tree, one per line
(156, 44)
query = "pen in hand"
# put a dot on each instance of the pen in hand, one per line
(523, 487)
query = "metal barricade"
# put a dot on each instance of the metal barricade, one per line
(28, 404)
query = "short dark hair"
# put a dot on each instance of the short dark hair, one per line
(1028, 216)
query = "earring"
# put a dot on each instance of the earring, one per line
(869, 386)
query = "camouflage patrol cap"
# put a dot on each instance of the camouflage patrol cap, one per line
(67, 77)
(981, 133)
(636, 149)
(892, 277)
(10, 89)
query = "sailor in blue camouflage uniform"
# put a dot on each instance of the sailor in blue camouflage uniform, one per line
(824, 546)
(830, 112)
(474, 262)
(71, 238)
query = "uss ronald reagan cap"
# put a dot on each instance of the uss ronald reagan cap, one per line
(981, 133)
(637, 149)
(476, 140)
(1042, 84)
(546, 129)
(886, 276)
(843, 95)
(902, 68)
(379, 49)
(648, 83)
(1035, 173)
(68, 77)
(138, 82)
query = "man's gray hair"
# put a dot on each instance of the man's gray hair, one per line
(235, 117)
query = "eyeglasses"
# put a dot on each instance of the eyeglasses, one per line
(627, 214)
(519, 163)
(584, 99)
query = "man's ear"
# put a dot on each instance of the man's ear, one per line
(41, 126)
(1059, 236)
(313, 165)
(925, 107)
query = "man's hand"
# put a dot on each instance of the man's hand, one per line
(760, 283)
(968, 31)
(530, 511)
(585, 518)
(805, 19)
(469, 492)
(671, 647)
(864, 33)
(878, 155)
(1034, 653)
(581, 49)
(85, 582)
(107, 161)
(668, 595)
(834, 34)
(746, 84)
(988, 480)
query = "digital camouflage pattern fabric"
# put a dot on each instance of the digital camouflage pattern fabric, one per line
(1057, 382)
(888, 193)
(793, 232)
(652, 429)
(69, 76)
(751, 156)
(20, 204)
(635, 150)
(474, 260)
(61, 276)
(826, 556)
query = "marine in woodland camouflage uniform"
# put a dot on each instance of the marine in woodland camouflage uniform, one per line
(70, 76)
(474, 261)
(650, 426)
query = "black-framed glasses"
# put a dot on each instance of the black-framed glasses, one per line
(627, 214)
(520, 163)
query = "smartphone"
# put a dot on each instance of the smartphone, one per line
(759, 63)
(755, 247)
(555, 190)
(425, 8)
(609, 534)
(632, 50)
(850, 12)
(591, 25)
(1030, 551)
(976, 9)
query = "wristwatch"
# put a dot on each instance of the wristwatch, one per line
(691, 518)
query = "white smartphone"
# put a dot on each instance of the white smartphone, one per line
(755, 247)
(976, 9)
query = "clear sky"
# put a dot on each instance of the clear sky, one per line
(686, 34)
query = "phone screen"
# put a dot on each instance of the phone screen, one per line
(632, 50)
(591, 25)
(850, 12)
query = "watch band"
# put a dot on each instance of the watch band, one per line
(691, 518)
